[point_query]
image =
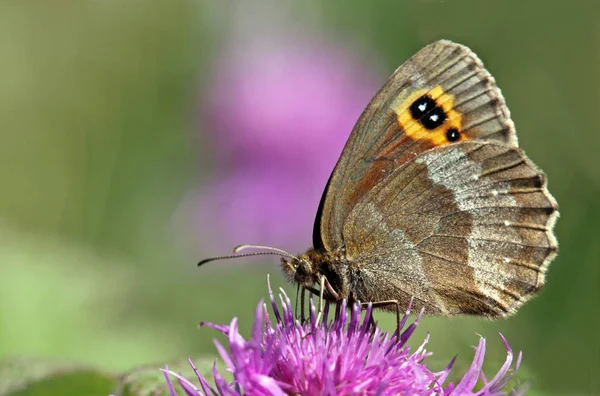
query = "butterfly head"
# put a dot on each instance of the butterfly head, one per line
(310, 268)
(300, 269)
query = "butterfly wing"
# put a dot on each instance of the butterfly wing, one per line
(433, 199)
(441, 95)
(464, 228)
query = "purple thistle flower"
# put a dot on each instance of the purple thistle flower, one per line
(344, 356)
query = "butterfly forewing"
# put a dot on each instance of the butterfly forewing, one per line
(387, 135)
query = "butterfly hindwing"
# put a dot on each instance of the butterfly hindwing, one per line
(464, 228)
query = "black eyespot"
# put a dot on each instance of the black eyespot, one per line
(427, 112)
(421, 106)
(452, 135)
(434, 118)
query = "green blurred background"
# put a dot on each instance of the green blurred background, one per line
(101, 142)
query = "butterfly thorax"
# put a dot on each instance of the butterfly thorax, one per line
(309, 267)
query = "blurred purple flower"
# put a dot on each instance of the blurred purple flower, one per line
(338, 357)
(277, 119)
(287, 102)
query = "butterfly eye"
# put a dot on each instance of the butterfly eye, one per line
(302, 268)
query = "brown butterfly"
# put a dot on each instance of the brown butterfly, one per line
(431, 200)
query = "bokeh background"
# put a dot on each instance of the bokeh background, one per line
(140, 136)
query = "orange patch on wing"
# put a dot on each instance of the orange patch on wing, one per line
(416, 131)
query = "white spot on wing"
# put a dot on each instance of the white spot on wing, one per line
(486, 252)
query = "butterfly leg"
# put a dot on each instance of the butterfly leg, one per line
(323, 285)
(300, 291)
(321, 290)
(380, 304)
(371, 318)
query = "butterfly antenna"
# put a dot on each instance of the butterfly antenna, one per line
(281, 252)
(270, 251)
